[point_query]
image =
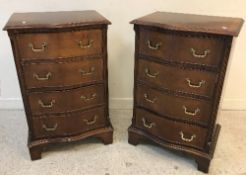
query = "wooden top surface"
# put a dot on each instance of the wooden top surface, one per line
(54, 20)
(194, 23)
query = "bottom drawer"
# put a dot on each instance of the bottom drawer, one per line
(171, 131)
(68, 124)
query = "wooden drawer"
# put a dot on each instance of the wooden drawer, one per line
(63, 74)
(195, 50)
(63, 44)
(65, 101)
(184, 80)
(182, 108)
(68, 124)
(174, 132)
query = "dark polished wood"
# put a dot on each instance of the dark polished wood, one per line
(55, 20)
(182, 52)
(184, 80)
(76, 72)
(61, 61)
(66, 101)
(180, 65)
(203, 159)
(68, 124)
(176, 107)
(190, 22)
(65, 44)
(171, 131)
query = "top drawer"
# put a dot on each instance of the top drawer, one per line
(195, 50)
(63, 44)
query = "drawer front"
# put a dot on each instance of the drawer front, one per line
(68, 124)
(64, 44)
(174, 132)
(204, 51)
(70, 100)
(183, 108)
(184, 80)
(63, 74)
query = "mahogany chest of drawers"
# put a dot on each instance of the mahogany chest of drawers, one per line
(61, 61)
(180, 64)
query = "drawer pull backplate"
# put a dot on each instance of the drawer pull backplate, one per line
(50, 129)
(151, 75)
(190, 113)
(190, 84)
(89, 72)
(42, 49)
(149, 126)
(92, 121)
(46, 77)
(46, 105)
(187, 139)
(85, 46)
(156, 47)
(193, 51)
(146, 97)
(89, 97)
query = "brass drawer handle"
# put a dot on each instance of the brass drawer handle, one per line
(42, 49)
(46, 105)
(149, 100)
(195, 85)
(187, 139)
(191, 113)
(50, 129)
(88, 45)
(151, 75)
(47, 76)
(89, 72)
(92, 121)
(156, 47)
(193, 51)
(88, 98)
(149, 126)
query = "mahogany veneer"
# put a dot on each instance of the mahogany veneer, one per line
(61, 61)
(180, 64)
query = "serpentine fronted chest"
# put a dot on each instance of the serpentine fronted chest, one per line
(61, 61)
(180, 64)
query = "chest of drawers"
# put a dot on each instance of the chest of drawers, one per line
(180, 64)
(61, 61)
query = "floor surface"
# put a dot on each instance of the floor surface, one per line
(91, 157)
